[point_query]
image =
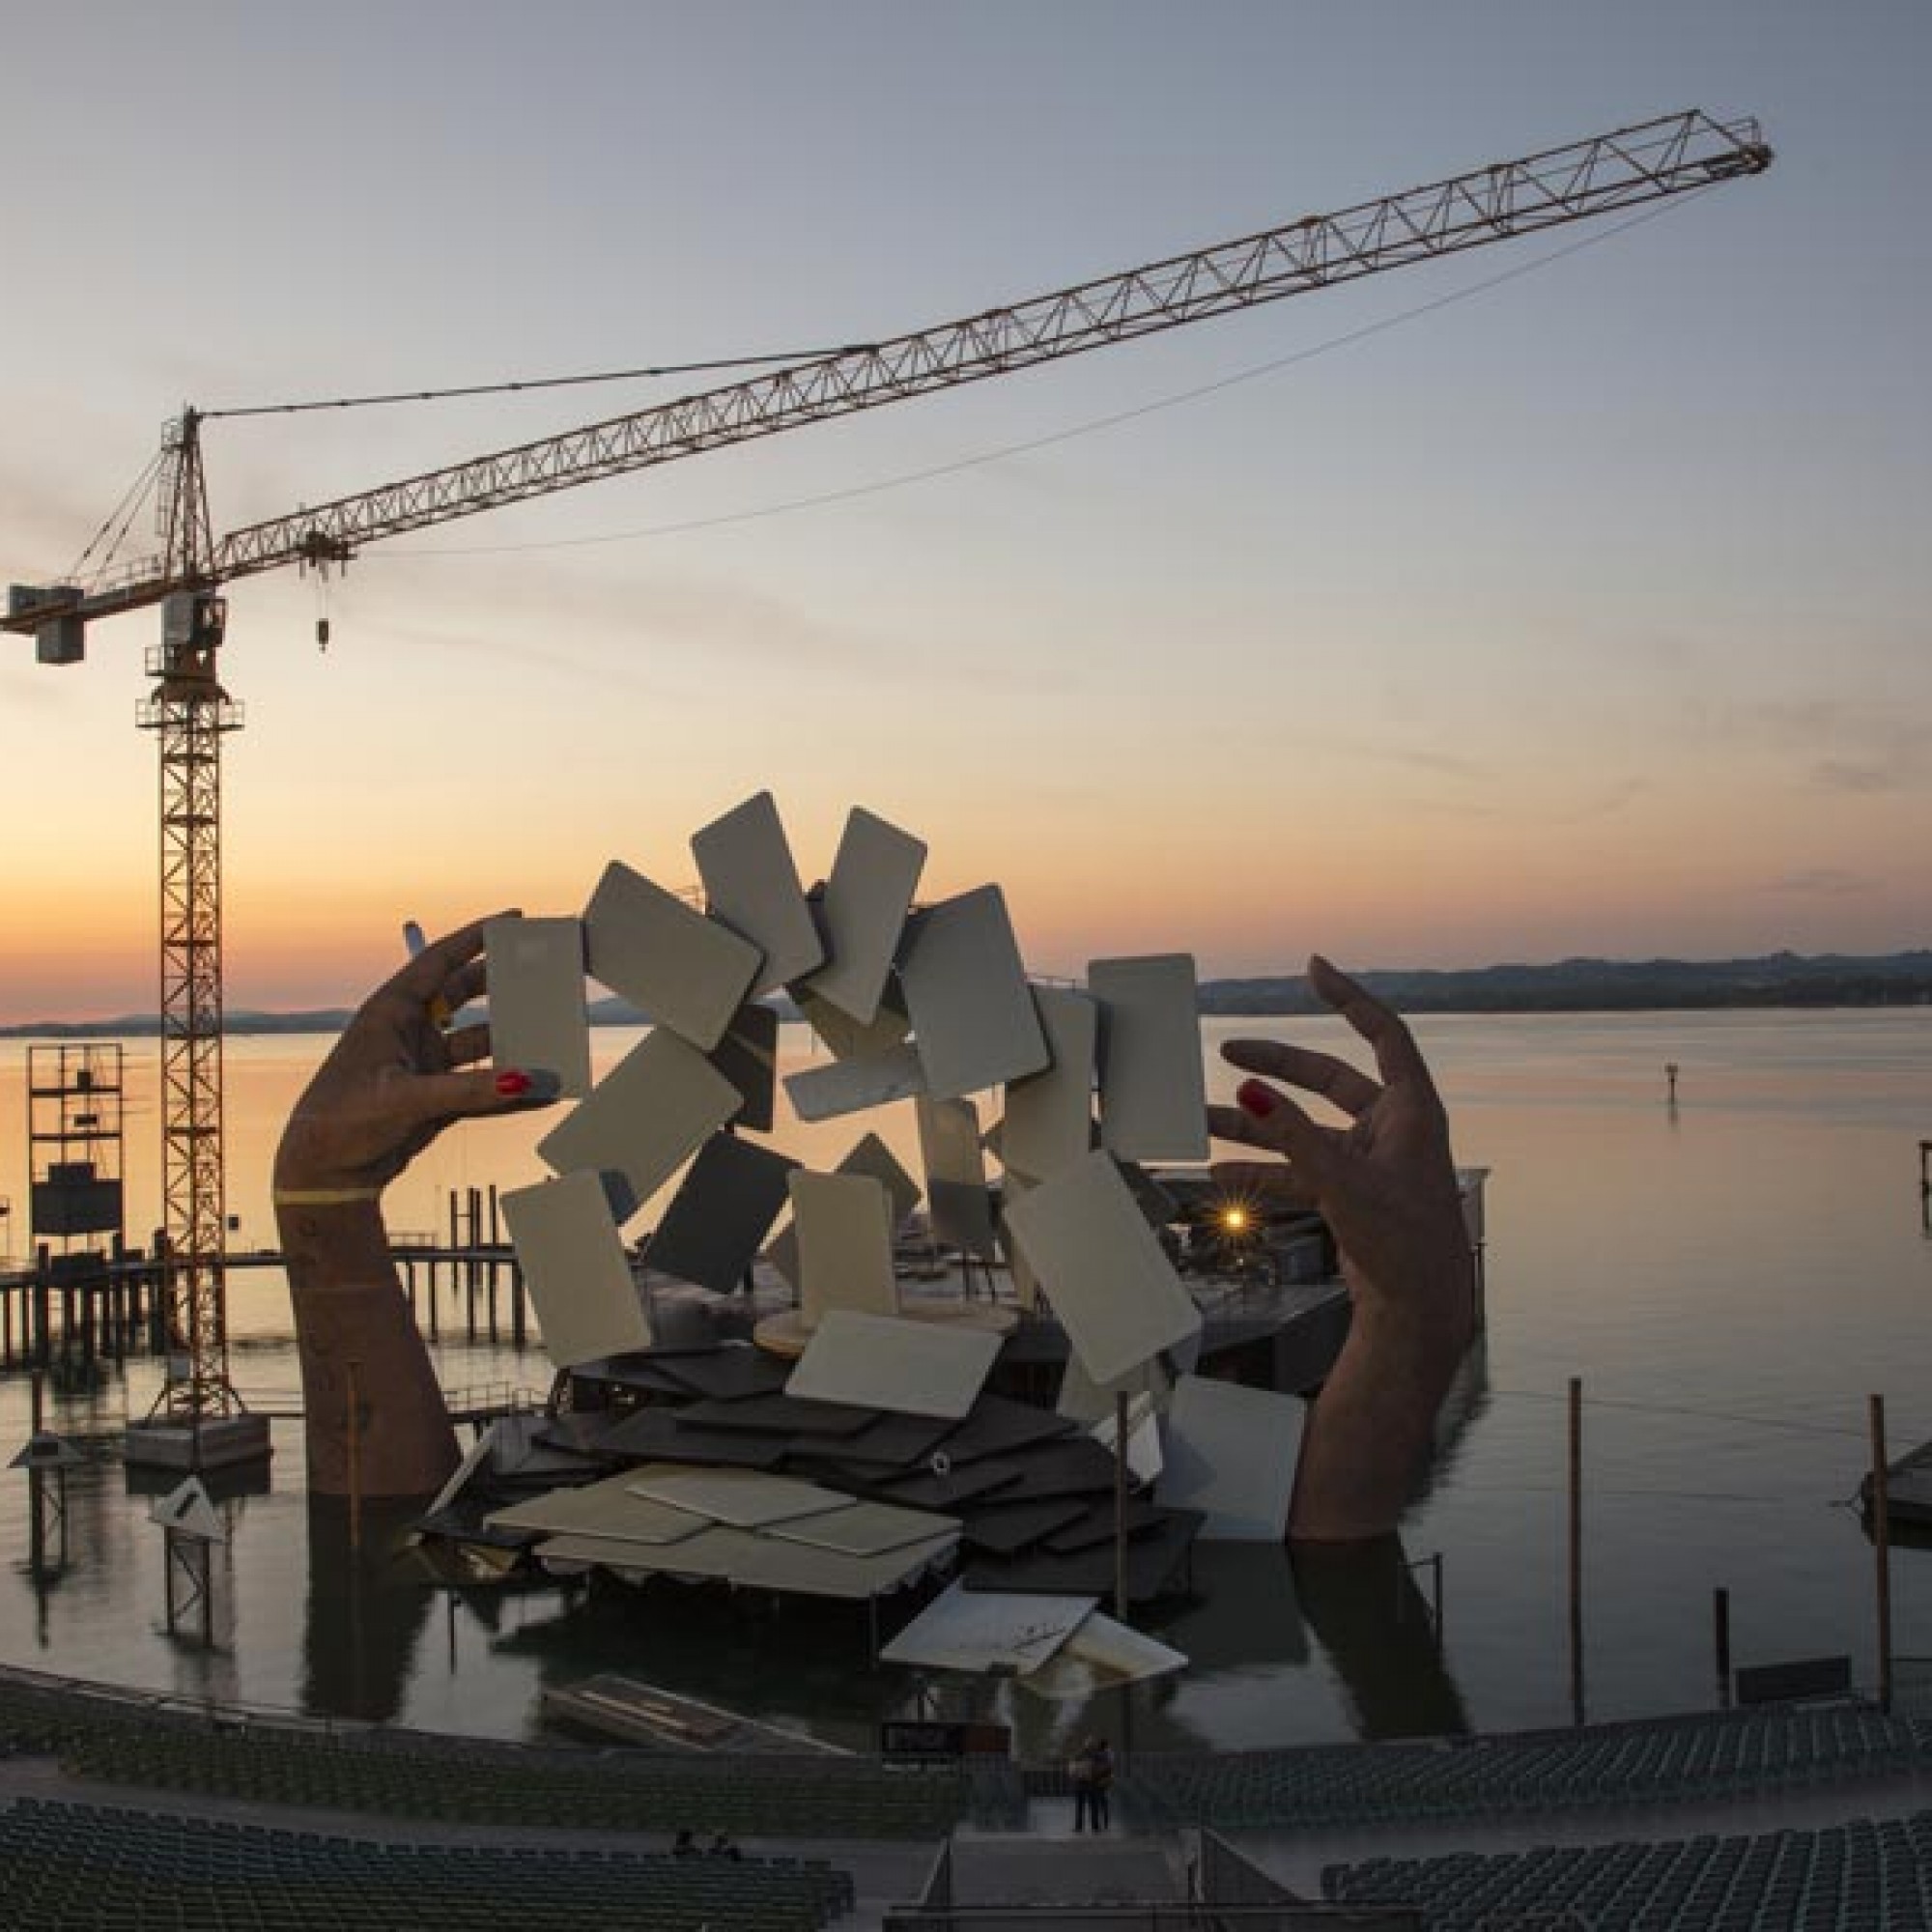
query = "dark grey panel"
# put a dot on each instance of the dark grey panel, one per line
(896, 1441)
(638, 1372)
(999, 1426)
(779, 1415)
(580, 1431)
(721, 1213)
(1095, 1525)
(947, 1492)
(747, 1056)
(1078, 1467)
(1003, 1529)
(736, 1369)
(656, 1435)
(1156, 1565)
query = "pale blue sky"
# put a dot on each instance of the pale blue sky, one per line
(1586, 614)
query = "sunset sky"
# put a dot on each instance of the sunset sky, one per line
(1585, 614)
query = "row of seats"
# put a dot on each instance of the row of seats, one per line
(1861, 1877)
(604, 1791)
(86, 1866)
(1714, 1755)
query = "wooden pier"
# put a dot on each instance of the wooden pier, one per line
(111, 1303)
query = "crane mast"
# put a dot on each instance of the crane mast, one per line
(190, 713)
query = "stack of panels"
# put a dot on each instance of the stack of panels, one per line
(740, 1526)
(1032, 1494)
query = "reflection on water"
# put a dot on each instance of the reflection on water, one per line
(1729, 1281)
(365, 1612)
(1364, 1606)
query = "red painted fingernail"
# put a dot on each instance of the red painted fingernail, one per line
(1257, 1099)
(513, 1085)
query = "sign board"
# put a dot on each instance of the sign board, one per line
(1801, 1677)
(904, 1741)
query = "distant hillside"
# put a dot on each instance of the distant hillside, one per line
(1568, 986)
(1612, 985)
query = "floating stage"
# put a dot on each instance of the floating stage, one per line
(691, 1462)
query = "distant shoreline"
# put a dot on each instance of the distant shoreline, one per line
(1785, 980)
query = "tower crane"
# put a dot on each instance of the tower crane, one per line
(189, 711)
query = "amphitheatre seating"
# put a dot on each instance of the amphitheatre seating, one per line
(1861, 1877)
(85, 1866)
(1706, 1756)
(612, 1791)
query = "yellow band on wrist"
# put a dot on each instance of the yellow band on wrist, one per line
(322, 1197)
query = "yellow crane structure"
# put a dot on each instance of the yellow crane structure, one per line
(189, 711)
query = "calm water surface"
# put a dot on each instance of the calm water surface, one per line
(1730, 1280)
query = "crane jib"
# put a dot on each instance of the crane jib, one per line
(1674, 154)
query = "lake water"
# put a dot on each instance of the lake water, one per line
(1730, 1280)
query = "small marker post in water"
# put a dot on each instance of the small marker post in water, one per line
(1670, 1081)
(1720, 1617)
(1881, 1528)
(1576, 1712)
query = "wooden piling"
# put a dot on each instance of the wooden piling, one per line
(1576, 1711)
(1881, 1551)
(1720, 1631)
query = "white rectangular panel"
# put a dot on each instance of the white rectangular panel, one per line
(799, 1568)
(1145, 1457)
(1231, 1452)
(865, 1529)
(1085, 1400)
(868, 1155)
(851, 1085)
(863, 911)
(745, 1498)
(645, 1117)
(1098, 1261)
(1049, 1118)
(1102, 1653)
(751, 884)
(715, 1551)
(913, 1368)
(537, 1018)
(987, 1629)
(573, 1262)
(1152, 1091)
(972, 1012)
(609, 1509)
(844, 1226)
(687, 972)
